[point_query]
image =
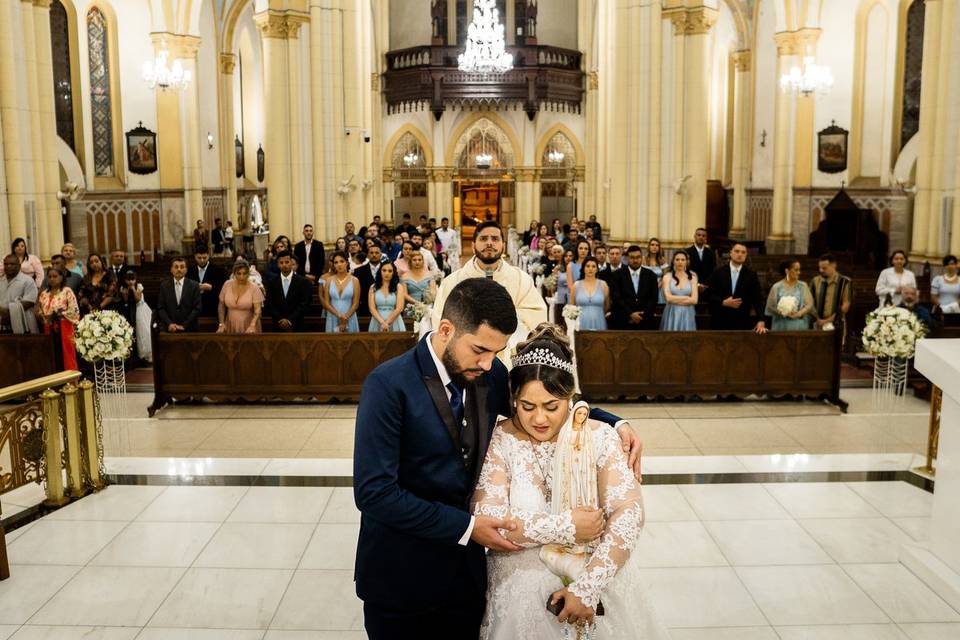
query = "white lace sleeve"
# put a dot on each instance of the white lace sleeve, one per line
(622, 504)
(492, 498)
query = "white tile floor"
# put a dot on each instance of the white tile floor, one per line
(808, 561)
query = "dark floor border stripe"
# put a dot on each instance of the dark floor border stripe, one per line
(648, 479)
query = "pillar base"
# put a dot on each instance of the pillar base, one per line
(780, 244)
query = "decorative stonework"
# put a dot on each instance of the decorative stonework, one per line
(228, 62)
(802, 42)
(43, 4)
(593, 80)
(741, 59)
(696, 21)
(525, 174)
(179, 46)
(282, 25)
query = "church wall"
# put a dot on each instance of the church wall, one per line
(557, 23)
(766, 86)
(410, 23)
(207, 83)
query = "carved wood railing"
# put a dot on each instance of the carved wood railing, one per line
(429, 74)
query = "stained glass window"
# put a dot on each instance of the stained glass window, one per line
(62, 86)
(912, 65)
(100, 98)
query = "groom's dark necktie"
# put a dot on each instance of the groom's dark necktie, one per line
(456, 404)
(466, 432)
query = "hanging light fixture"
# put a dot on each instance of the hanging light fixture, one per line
(485, 51)
(483, 159)
(157, 73)
(807, 80)
(412, 157)
(556, 157)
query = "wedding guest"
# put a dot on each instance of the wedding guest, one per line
(118, 265)
(537, 242)
(403, 262)
(570, 238)
(18, 295)
(386, 300)
(210, 277)
(832, 293)
(430, 245)
(945, 288)
(557, 230)
(894, 279)
(420, 283)
(733, 293)
(405, 226)
(132, 305)
(71, 279)
(703, 259)
(340, 244)
(553, 259)
(679, 287)
(228, 238)
(179, 304)
(790, 287)
(254, 276)
(99, 289)
(70, 256)
(241, 302)
(624, 249)
(356, 256)
(592, 295)
(634, 293)
(281, 244)
(574, 268)
(614, 258)
(341, 297)
(595, 226)
(30, 264)
(216, 236)
(656, 262)
(449, 242)
(288, 297)
(391, 248)
(200, 234)
(910, 301)
(531, 233)
(428, 259)
(58, 312)
(349, 232)
(563, 277)
(310, 255)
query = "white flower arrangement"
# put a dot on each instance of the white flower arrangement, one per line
(892, 332)
(524, 251)
(571, 311)
(550, 283)
(104, 335)
(428, 297)
(415, 310)
(536, 269)
(787, 306)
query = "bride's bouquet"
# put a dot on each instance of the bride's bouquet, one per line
(787, 306)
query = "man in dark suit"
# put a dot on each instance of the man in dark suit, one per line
(604, 272)
(634, 291)
(288, 296)
(216, 237)
(423, 425)
(703, 259)
(118, 265)
(367, 275)
(179, 305)
(210, 277)
(733, 293)
(311, 259)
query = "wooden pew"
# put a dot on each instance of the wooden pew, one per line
(620, 365)
(26, 357)
(268, 366)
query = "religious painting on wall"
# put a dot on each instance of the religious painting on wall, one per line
(141, 150)
(832, 150)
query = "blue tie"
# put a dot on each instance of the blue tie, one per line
(286, 286)
(456, 403)
(734, 276)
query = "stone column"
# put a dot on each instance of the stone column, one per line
(525, 177)
(326, 91)
(944, 112)
(652, 91)
(39, 244)
(741, 143)
(47, 123)
(186, 48)
(298, 213)
(443, 191)
(674, 169)
(924, 200)
(15, 139)
(228, 169)
(696, 91)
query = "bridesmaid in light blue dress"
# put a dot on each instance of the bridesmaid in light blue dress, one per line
(341, 297)
(654, 261)
(418, 280)
(791, 285)
(386, 300)
(592, 296)
(563, 278)
(679, 288)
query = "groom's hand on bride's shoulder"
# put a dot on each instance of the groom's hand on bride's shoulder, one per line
(632, 445)
(486, 532)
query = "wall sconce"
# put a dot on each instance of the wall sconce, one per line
(763, 138)
(209, 140)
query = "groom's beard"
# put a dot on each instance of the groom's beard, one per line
(455, 371)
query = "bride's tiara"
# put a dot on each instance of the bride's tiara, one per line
(544, 357)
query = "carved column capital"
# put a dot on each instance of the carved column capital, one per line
(691, 21)
(228, 62)
(741, 59)
(179, 45)
(43, 4)
(593, 80)
(525, 174)
(802, 42)
(282, 25)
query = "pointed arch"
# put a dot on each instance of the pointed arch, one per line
(865, 105)
(566, 133)
(106, 139)
(469, 121)
(395, 140)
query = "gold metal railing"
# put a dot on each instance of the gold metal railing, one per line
(933, 436)
(55, 426)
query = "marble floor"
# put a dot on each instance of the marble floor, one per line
(812, 561)
(669, 429)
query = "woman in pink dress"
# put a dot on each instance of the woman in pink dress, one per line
(58, 311)
(241, 302)
(29, 263)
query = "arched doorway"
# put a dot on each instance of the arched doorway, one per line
(483, 181)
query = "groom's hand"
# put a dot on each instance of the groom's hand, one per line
(486, 532)
(633, 445)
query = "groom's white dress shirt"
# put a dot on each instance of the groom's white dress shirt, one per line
(445, 380)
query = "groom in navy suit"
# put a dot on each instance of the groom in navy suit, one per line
(423, 425)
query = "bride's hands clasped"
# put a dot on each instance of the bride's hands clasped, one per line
(573, 608)
(589, 524)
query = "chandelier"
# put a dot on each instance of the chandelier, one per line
(556, 157)
(807, 80)
(483, 159)
(158, 74)
(485, 51)
(411, 158)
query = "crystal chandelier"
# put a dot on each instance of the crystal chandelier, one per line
(485, 51)
(410, 158)
(158, 74)
(556, 157)
(807, 80)
(483, 159)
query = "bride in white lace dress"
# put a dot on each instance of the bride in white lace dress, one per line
(517, 483)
